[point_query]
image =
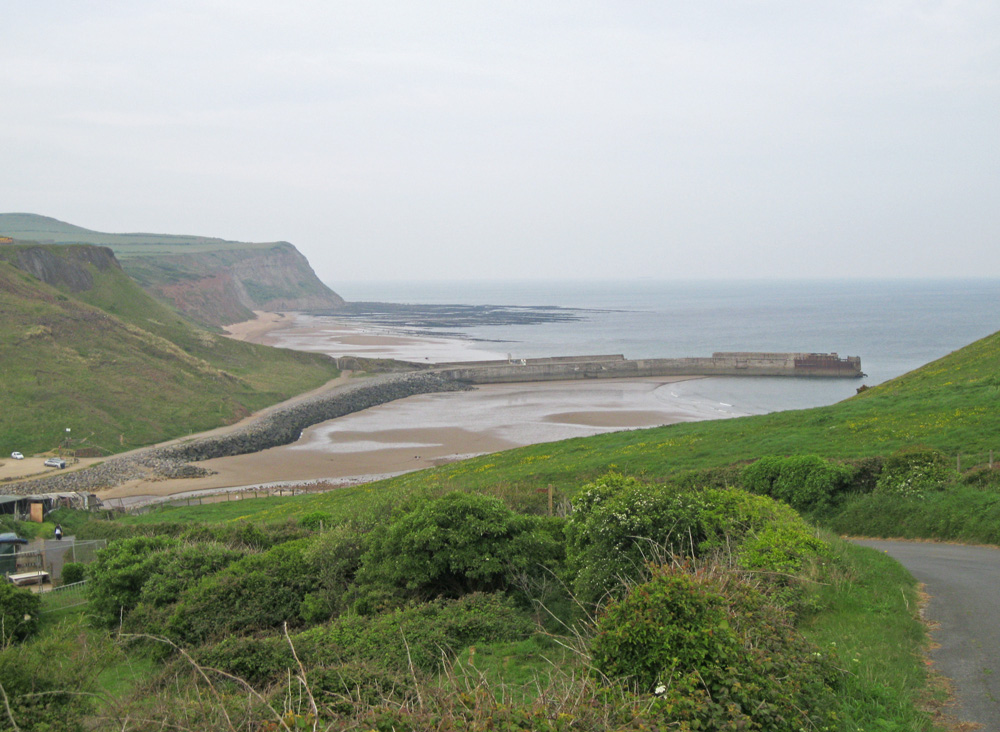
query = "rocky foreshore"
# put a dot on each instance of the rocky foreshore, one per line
(280, 427)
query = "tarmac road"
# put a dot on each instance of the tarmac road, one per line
(964, 587)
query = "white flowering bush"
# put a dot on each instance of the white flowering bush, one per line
(914, 472)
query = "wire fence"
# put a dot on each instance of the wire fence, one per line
(969, 460)
(55, 554)
(66, 596)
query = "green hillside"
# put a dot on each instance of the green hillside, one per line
(120, 369)
(952, 404)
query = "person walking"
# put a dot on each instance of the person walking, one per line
(59, 532)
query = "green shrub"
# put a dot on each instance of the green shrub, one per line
(336, 556)
(73, 572)
(257, 592)
(805, 482)
(619, 525)
(316, 520)
(19, 611)
(914, 472)
(866, 472)
(454, 545)
(715, 653)
(424, 634)
(118, 574)
(182, 566)
(258, 661)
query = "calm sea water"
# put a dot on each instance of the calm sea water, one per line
(895, 326)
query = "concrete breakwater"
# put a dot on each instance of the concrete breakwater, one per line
(826, 365)
(280, 427)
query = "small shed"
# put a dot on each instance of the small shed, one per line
(8, 552)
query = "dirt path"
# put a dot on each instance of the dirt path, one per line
(964, 585)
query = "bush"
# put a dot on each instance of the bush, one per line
(118, 574)
(715, 653)
(258, 661)
(73, 572)
(19, 611)
(982, 477)
(316, 520)
(619, 525)
(425, 633)
(336, 556)
(454, 545)
(804, 482)
(866, 472)
(182, 566)
(257, 592)
(913, 472)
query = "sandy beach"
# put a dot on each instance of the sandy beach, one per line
(427, 430)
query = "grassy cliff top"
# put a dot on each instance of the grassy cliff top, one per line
(46, 230)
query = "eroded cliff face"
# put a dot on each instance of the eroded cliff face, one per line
(219, 288)
(215, 282)
(62, 268)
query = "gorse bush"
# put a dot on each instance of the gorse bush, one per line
(151, 572)
(716, 654)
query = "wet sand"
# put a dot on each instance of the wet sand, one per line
(427, 430)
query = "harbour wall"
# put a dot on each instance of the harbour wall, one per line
(814, 365)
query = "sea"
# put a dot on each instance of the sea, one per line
(894, 325)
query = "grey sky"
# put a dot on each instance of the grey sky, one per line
(567, 139)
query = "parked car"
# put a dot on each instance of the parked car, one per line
(16, 455)
(55, 463)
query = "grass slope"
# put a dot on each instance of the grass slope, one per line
(950, 404)
(121, 370)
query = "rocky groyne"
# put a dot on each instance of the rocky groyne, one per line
(282, 426)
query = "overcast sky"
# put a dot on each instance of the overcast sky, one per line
(500, 140)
